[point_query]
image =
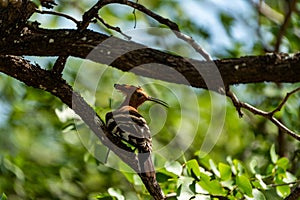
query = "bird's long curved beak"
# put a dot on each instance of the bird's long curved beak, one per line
(158, 101)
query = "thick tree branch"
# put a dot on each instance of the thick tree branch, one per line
(59, 65)
(126, 55)
(36, 77)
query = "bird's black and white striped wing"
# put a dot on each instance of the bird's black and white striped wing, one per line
(131, 127)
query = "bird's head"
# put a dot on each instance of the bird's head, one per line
(135, 96)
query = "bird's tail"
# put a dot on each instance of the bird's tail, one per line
(146, 165)
(148, 175)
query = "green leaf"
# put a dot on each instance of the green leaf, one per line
(244, 185)
(204, 177)
(204, 161)
(225, 171)
(214, 187)
(283, 190)
(270, 169)
(174, 167)
(253, 165)
(289, 177)
(239, 168)
(214, 168)
(137, 180)
(274, 156)
(163, 175)
(258, 195)
(116, 193)
(184, 190)
(193, 168)
(283, 163)
(129, 177)
(230, 184)
(201, 197)
(262, 184)
(271, 194)
(239, 195)
(104, 197)
(233, 169)
(200, 190)
(69, 127)
(3, 197)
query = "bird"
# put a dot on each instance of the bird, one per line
(129, 126)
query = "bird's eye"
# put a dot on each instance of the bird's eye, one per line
(139, 95)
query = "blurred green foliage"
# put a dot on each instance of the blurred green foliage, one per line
(48, 153)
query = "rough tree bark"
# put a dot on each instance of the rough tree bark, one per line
(279, 68)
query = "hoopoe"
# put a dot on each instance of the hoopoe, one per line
(127, 124)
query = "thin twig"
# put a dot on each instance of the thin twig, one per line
(284, 100)
(235, 102)
(58, 14)
(284, 128)
(268, 115)
(284, 26)
(134, 15)
(117, 29)
(172, 25)
(93, 12)
(283, 184)
(258, 7)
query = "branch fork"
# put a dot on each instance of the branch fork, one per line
(268, 115)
